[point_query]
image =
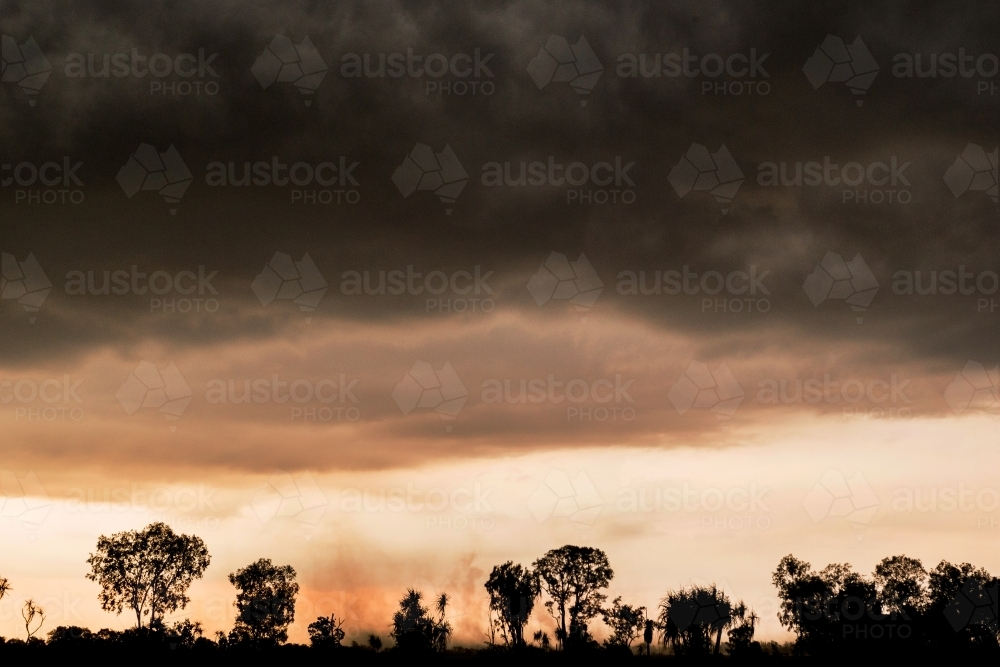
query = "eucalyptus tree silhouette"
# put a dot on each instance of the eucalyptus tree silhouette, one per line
(326, 632)
(513, 589)
(625, 621)
(147, 571)
(265, 603)
(573, 578)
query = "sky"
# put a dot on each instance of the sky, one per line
(304, 306)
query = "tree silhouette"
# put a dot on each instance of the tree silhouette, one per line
(326, 632)
(375, 643)
(689, 617)
(573, 578)
(742, 629)
(4, 587)
(147, 571)
(442, 629)
(29, 613)
(626, 623)
(414, 629)
(900, 608)
(512, 589)
(265, 603)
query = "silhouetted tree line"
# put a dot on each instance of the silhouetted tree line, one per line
(902, 609)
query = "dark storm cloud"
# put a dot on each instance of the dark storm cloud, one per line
(507, 230)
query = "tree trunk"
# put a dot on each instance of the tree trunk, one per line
(718, 641)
